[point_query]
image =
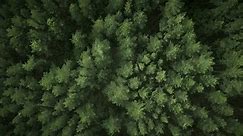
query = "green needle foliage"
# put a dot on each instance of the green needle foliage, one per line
(121, 67)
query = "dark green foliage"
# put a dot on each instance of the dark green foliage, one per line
(121, 67)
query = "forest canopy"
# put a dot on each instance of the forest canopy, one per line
(121, 67)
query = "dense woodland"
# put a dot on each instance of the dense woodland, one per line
(121, 67)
